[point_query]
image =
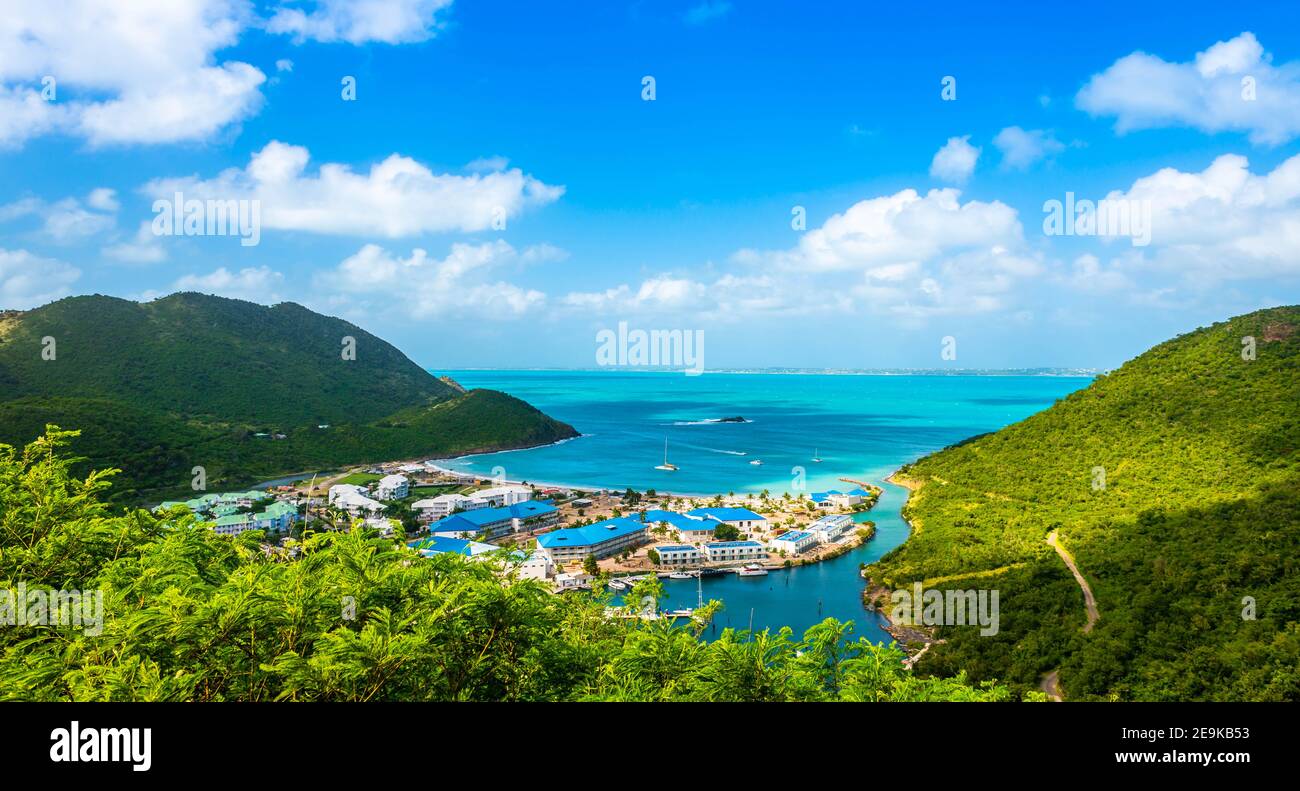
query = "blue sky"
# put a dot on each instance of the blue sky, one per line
(924, 217)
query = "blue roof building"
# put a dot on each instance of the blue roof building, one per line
(532, 509)
(492, 522)
(601, 539)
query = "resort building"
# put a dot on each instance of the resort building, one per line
(488, 522)
(233, 525)
(496, 522)
(838, 499)
(792, 542)
(445, 505)
(448, 504)
(277, 517)
(537, 566)
(572, 581)
(743, 519)
(679, 555)
(601, 540)
(722, 551)
(829, 528)
(354, 500)
(218, 504)
(689, 529)
(534, 515)
(393, 487)
(501, 496)
(382, 525)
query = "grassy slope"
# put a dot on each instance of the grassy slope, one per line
(1201, 508)
(188, 380)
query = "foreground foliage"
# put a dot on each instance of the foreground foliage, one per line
(1175, 483)
(190, 615)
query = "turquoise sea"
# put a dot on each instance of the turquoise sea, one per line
(861, 426)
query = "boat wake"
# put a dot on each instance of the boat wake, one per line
(711, 421)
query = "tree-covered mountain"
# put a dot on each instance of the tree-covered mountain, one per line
(1175, 484)
(193, 380)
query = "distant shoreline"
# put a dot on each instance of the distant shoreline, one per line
(1067, 373)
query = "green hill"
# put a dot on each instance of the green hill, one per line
(160, 387)
(1199, 516)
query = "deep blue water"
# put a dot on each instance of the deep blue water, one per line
(862, 427)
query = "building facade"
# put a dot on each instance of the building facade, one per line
(601, 540)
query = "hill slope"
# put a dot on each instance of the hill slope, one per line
(1200, 509)
(189, 379)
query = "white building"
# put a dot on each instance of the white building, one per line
(353, 499)
(722, 551)
(743, 519)
(381, 524)
(571, 580)
(830, 528)
(502, 496)
(536, 566)
(393, 487)
(445, 505)
(793, 542)
(679, 555)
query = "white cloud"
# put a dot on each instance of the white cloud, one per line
(1144, 91)
(888, 235)
(67, 220)
(149, 71)
(904, 254)
(728, 297)
(955, 161)
(1224, 222)
(397, 197)
(103, 198)
(255, 284)
(1088, 275)
(423, 287)
(1021, 148)
(27, 281)
(360, 21)
(138, 72)
(144, 248)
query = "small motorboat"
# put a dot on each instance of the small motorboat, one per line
(618, 585)
(753, 570)
(756, 462)
(681, 575)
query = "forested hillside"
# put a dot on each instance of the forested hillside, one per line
(243, 390)
(1175, 484)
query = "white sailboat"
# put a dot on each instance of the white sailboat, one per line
(666, 465)
(816, 459)
(756, 462)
